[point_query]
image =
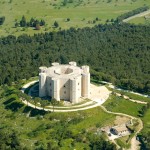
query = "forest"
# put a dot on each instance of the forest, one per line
(115, 53)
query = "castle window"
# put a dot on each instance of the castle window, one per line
(78, 83)
(50, 84)
(65, 92)
(64, 86)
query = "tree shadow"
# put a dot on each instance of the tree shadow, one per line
(27, 109)
(14, 106)
(9, 101)
(34, 112)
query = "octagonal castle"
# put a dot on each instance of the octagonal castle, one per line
(64, 82)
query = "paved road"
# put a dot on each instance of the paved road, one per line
(138, 15)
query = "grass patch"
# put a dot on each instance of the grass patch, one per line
(146, 121)
(132, 95)
(140, 20)
(119, 104)
(123, 142)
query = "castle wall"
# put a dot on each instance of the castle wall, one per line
(75, 89)
(65, 89)
(49, 87)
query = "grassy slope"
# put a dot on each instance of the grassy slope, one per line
(132, 95)
(24, 125)
(146, 121)
(45, 9)
(118, 104)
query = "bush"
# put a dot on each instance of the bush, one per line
(2, 19)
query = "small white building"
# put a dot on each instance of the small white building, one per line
(64, 82)
(120, 130)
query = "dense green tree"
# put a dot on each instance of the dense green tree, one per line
(2, 19)
(54, 102)
(56, 25)
(36, 101)
(9, 140)
(23, 22)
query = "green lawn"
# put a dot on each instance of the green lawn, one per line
(79, 12)
(118, 104)
(140, 20)
(146, 121)
(122, 142)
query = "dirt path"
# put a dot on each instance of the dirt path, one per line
(132, 100)
(134, 142)
(138, 15)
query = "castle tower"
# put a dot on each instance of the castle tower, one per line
(42, 81)
(85, 81)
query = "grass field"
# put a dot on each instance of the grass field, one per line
(119, 104)
(81, 13)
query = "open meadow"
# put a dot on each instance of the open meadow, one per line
(68, 13)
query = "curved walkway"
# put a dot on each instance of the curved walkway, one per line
(98, 96)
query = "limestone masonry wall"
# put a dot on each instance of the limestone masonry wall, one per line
(64, 82)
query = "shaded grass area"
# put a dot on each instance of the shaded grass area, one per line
(119, 104)
(28, 89)
(80, 13)
(96, 82)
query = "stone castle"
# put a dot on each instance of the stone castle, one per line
(64, 82)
